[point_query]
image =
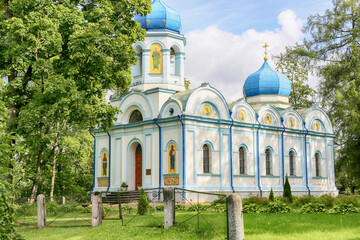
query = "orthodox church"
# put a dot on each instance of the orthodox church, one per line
(167, 135)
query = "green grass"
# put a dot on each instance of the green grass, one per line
(257, 226)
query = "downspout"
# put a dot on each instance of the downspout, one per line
(282, 151)
(258, 153)
(109, 161)
(183, 155)
(231, 155)
(92, 189)
(306, 168)
(155, 119)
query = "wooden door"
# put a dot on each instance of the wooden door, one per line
(138, 167)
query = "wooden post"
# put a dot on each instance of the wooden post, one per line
(41, 211)
(96, 209)
(169, 207)
(235, 222)
(63, 200)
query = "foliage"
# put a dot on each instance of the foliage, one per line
(126, 208)
(327, 200)
(124, 185)
(143, 205)
(179, 207)
(313, 208)
(344, 209)
(160, 207)
(276, 207)
(287, 189)
(26, 209)
(256, 200)
(187, 84)
(197, 207)
(271, 195)
(296, 68)
(305, 200)
(70, 206)
(51, 207)
(251, 208)
(220, 208)
(219, 200)
(87, 209)
(347, 199)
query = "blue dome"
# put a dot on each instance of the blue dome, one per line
(267, 81)
(161, 18)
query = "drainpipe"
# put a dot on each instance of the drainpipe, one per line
(306, 168)
(109, 160)
(183, 155)
(92, 189)
(155, 119)
(258, 152)
(231, 156)
(282, 152)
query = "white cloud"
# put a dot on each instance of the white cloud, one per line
(224, 59)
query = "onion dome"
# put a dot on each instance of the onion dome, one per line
(267, 81)
(161, 18)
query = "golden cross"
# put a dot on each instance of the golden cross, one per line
(265, 46)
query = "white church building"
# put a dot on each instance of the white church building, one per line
(166, 135)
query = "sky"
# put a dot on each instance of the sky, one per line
(225, 37)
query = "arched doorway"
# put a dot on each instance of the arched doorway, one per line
(138, 167)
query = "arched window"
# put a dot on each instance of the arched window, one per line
(268, 161)
(172, 61)
(137, 69)
(292, 163)
(206, 158)
(135, 116)
(317, 164)
(242, 160)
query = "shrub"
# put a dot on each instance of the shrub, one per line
(313, 208)
(256, 200)
(87, 209)
(70, 206)
(27, 209)
(347, 199)
(287, 189)
(104, 212)
(344, 209)
(197, 207)
(143, 205)
(219, 208)
(51, 207)
(160, 207)
(271, 196)
(301, 201)
(276, 207)
(327, 200)
(219, 200)
(179, 207)
(251, 208)
(283, 200)
(126, 208)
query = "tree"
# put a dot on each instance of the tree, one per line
(296, 68)
(60, 57)
(287, 189)
(271, 195)
(143, 205)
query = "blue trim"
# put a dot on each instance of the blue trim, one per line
(282, 152)
(160, 153)
(92, 189)
(207, 142)
(183, 155)
(231, 155)
(109, 160)
(306, 170)
(258, 154)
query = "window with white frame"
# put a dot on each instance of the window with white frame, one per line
(268, 154)
(206, 158)
(317, 165)
(242, 159)
(292, 163)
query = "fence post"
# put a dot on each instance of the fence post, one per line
(235, 222)
(96, 209)
(63, 200)
(169, 207)
(41, 211)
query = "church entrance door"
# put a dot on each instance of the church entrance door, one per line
(138, 167)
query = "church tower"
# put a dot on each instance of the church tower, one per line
(161, 55)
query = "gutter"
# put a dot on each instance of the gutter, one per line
(183, 155)
(306, 168)
(155, 120)
(282, 151)
(109, 161)
(258, 153)
(231, 155)
(92, 189)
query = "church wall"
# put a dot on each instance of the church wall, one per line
(158, 99)
(132, 102)
(294, 142)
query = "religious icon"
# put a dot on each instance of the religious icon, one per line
(268, 119)
(291, 122)
(172, 158)
(317, 126)
(104, 164)
(155, 58)
(207, 110)
(242, 115)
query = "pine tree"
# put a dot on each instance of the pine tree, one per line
(271, 196)
(287, 189)
(143, 205)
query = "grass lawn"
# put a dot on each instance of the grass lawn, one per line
(257, 226)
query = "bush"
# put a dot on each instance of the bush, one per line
(27, 209)
(271, 196)
(287, 189)
(51, 207)
(219, 200)
(313, 208)
(87, 209)
(327, 200)
(276, 207)
(160, 207)
(70, 206)
(251, 208)
(126, 208)
(219, 208)
(344, 209)
(197, 207)
(179, 207)
(347, 199)
(143, 205)
(256, 200)
(301, 201)
(283, 200)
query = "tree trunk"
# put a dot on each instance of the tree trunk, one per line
(53, 177)
(37, 178)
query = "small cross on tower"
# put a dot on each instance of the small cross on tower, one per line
(265, 46)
